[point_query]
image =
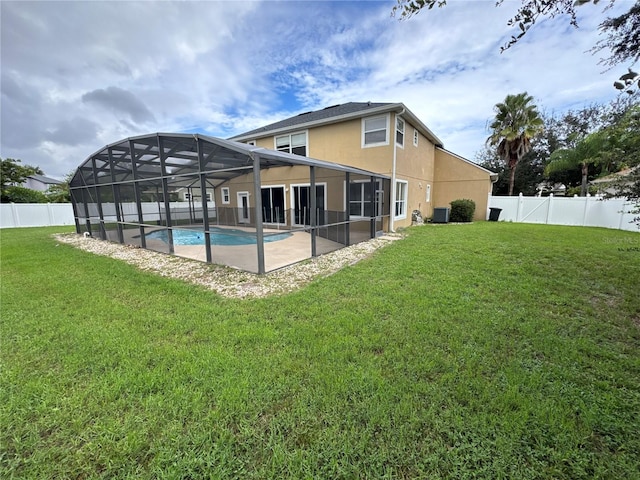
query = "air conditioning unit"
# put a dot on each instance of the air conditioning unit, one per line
(440, 215)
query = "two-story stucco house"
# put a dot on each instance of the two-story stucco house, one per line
(292, 190)
(385, 138)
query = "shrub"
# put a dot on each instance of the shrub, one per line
(23, 195)
(570, 192)
(462, 210)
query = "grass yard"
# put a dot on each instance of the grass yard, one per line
(491, 350)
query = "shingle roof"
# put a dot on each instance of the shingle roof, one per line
(46, 180)
(315, 116)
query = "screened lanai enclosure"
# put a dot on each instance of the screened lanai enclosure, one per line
(225, 202)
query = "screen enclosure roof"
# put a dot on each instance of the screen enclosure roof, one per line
(180, 157)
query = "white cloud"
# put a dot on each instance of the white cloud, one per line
(79, 75)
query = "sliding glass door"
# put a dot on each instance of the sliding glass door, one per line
(301, 204)
(273, 209)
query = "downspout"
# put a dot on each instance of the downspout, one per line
(392, 207)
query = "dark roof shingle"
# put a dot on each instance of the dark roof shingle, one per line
(318, 115)
(45, 179)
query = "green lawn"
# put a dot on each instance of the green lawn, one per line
(491, 350)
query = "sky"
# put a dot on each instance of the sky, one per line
(76, 76)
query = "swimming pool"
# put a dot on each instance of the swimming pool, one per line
(219, 236)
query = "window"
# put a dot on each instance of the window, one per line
(273, 205)
(400, 131)
(360, 195)
(415, 137)
(400, 210)
(226, 197)
(251, 142)
(375, 131)
(293, 143)
(428, 193)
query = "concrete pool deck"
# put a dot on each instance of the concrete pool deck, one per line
(277, 254)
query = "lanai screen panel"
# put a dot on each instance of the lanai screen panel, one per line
(158, 192)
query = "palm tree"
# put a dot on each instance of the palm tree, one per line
(517, 121)
(587, 151)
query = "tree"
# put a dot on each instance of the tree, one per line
(625, 136)
(622, 32)
(623, 40)
(529, 174)
(623, 37)
(573, 150)
(614, 146)
(586, 152)
(60, 193)
(619, 149)
(517, 121)
(13, 174)
(17, 194)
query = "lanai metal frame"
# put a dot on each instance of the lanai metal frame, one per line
(126, 170)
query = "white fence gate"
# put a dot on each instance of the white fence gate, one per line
(583, 211)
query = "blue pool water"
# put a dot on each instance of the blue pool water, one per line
(219, 236)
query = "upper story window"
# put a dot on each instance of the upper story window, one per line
(415, 137)
(400, 131)
(251, 142)
(293, 143)
(375, 131)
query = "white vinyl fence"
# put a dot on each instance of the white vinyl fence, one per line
(584, 211)
(35, 214)
(50, 214)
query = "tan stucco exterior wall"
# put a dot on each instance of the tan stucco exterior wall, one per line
(455, 178)
(342, 143)
(415, 164)
(286, 177)
(434, 176)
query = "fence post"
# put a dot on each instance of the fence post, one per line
(549, 208)
(586, 206)
(50, 213)
(14, 214)
(622, 213)
(519, 209)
